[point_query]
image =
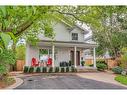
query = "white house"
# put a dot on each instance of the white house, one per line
(68, 45)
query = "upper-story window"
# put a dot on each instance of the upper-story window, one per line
(74, 36)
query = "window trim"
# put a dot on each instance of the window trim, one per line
(74, 36)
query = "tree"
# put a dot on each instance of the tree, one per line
(15, 20)
(20, 52)
(7, 58)
(108, 24)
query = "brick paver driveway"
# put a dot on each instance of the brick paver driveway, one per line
(64, 82)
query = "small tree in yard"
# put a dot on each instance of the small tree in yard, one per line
(7, 58)
(123, 60)
(20, 52)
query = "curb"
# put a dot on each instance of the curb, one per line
(19, 81)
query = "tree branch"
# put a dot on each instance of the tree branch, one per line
(71, 14)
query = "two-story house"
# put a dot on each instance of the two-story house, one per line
(68, 45)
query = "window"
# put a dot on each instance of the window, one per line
(74, 36)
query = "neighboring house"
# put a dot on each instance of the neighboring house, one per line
(68, 45)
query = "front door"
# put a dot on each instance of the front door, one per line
(77, 57)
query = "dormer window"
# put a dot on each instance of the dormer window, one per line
(74, 36)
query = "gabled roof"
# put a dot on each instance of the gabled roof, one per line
(72, 25)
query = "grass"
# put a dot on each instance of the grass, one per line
(122, 79)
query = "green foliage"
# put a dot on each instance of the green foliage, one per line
(50, 69)
(83, 63)
(44, 69)
(62, 69)
(20, 52)
(3, 70)
(5, 39)
(8, 80)
(121, 79)
(73, 69)
(31, 69)
(43, 51)
(26, 69)
(91, 65)
(56, 69)
(7, 58)
(117, 70)
(38, 69)
(101, 66)
(101, 61)
(67, 69)
(123, 58)
(48, 31)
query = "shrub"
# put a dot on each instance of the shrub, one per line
(20, 52)
(26, 69)
(82, 63)
(124, 61)
(101, 66)
(100, 61)
(70, 63)
(73, 69)
(66, 64)
(67, 69)
(38, 70)
(117, 70)
(60, 64)
(56, 69)
(44, 69)
(62, 69)
(50, 69)
(31, 69)
(7, 58)
(91, 65)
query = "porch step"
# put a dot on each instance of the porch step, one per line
(86, 69)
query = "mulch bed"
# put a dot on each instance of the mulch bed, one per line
(7, 82)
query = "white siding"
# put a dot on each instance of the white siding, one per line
(63, 34)
(80, 34)
(30, 53)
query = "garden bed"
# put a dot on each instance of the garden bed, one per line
(6, 82)
(122, 79)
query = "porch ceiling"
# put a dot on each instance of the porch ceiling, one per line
(66, 44)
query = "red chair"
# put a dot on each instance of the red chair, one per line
(34, 62)
(49, 61)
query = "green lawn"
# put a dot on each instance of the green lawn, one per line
(121, 79)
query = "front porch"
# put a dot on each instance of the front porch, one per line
(61, 51)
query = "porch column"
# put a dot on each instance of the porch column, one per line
(75, 49)
(27, 60)
(53, 51)
(94, 58)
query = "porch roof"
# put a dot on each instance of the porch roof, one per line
(66, 44)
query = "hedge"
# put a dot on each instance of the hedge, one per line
(28, 69)
(117, 70)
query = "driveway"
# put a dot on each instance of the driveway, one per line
(64, 82)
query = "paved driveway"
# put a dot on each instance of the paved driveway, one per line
(64, 82)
